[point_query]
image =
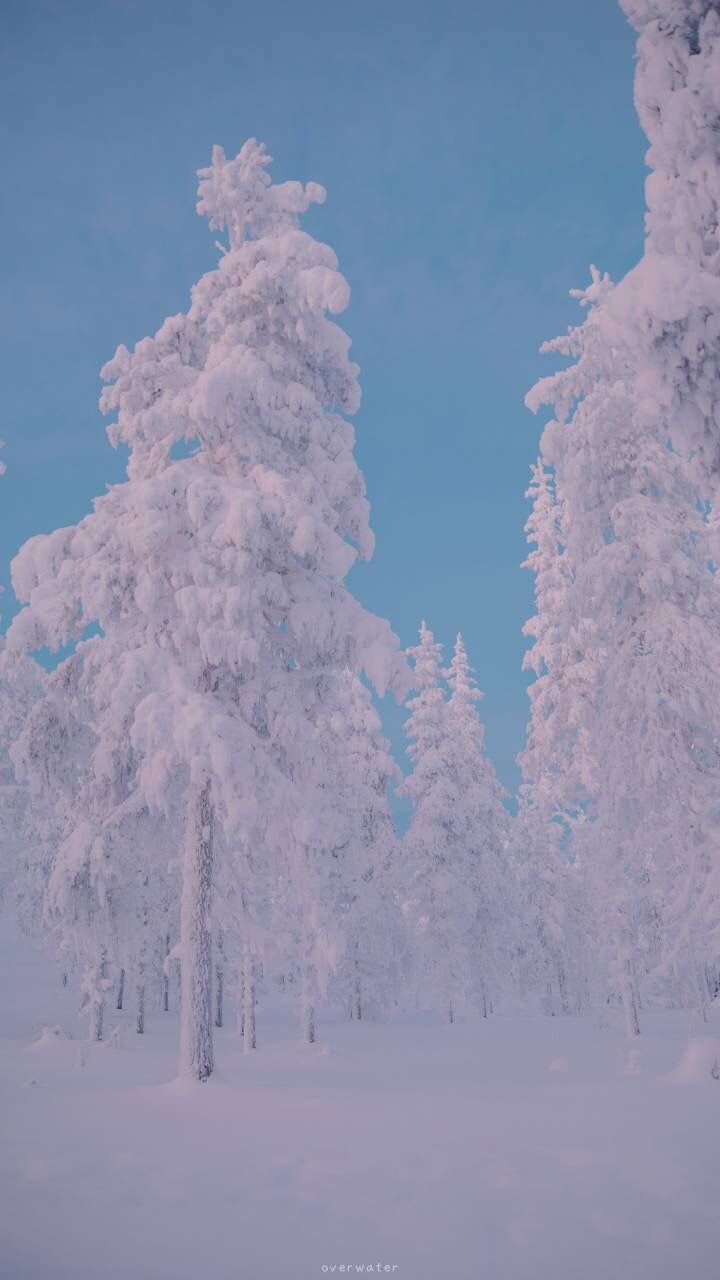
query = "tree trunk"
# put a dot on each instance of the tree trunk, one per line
(451, 1012)
(562, 986)
(98, 1015)
(140, 1016)
(549, 999)
(700, 987)
(483, 1000)
(166, 976)
(141, 972)
(140, 999)
(196, 1029)
(120, 990)
(307, 1006)
(308, 1022)
(248, 1021)
(219, 977)
(357, 992)
(98, 1020)
(632, 1025)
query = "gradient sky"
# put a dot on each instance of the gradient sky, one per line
(478, 157)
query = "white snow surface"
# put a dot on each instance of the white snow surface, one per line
(523, 1146)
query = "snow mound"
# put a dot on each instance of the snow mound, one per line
(632, 1063)
(49, 1036)
(699, 1062)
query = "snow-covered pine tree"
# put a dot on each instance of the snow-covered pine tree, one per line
(336, 923)
(551, 932)
(21, 875)
(21, 869)
(557, 759)
(92, 833)
(456, 886)
(433, 879)
(558, 763)
(670, 313)
(360, 772)
(670, 310)
(634, 475)
(482, 824)
(620, 721)
(215, 572)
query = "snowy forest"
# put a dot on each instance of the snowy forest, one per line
(202, 816)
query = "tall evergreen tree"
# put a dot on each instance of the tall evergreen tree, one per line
(360, 772)
(22, 870)
(215, 572)
(482, 824)
(623, 734)
(456, 879)
(673, 320)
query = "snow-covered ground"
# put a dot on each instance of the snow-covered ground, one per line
(524, 1147)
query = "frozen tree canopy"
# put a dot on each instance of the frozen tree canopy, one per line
(216, 576)
(457, 881)
(623, 741)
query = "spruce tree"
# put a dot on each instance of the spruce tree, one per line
(457, 885)
(623, 738)
(215, 571)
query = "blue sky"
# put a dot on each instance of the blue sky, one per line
(477, 158)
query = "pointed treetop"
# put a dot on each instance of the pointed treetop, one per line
(460, 676)
(239, 195)
(427, 656)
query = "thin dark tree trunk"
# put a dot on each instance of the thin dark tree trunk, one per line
(98, 1019)
(140, 999)
(140, 1016)
(357, 992)
(307, 1006)
(166, 976)
(632, 1024)
(562, 986)
(219, 981)
(196, 1023)
(248, 1020)
(309, 1023)
(549, 999)
(120, 990)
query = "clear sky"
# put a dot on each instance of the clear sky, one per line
(478, 156)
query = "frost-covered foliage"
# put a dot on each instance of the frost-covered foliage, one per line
(623, 740)
(360, 773)
(215, 577)
(102, 857)
(20, 684)
(669, 306)
(457, 883)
